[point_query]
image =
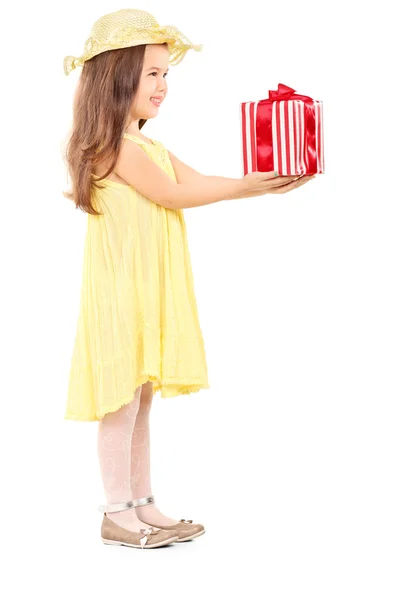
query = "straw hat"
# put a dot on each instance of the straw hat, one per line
(130, 27)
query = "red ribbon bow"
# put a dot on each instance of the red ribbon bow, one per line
(284, 92)
(264, 128)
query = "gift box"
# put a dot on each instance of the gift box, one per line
(283, 133)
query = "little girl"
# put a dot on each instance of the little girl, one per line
(138, 329)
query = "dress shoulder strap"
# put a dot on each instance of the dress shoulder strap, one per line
(134, 138)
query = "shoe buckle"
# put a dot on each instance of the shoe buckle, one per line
(115, 507)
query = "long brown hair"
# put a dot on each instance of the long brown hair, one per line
(102, 102)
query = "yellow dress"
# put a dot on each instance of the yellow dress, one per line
(138, 318)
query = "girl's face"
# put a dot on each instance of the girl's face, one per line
(152, 82)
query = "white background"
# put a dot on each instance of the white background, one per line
(291, 458)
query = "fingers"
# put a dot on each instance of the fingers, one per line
(283, 180)
(268, 175)
(263, 175)
(301, 180)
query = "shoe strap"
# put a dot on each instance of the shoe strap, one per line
(143, 501)
(116, 507)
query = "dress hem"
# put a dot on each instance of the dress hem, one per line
(188, 386)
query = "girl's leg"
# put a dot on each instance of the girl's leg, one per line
(140, 460)
(114, 451)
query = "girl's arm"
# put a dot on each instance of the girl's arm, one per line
(188, 176)
(249, 186)
(139, 171)
(207, 189)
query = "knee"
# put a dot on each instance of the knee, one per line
(125, 416)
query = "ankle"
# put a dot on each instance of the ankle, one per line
(150, 513)
(126, 518)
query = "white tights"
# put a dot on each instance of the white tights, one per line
(124, 457)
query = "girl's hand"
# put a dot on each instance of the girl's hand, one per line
(260, 183)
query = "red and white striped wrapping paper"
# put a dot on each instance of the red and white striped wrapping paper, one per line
(283, 133)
